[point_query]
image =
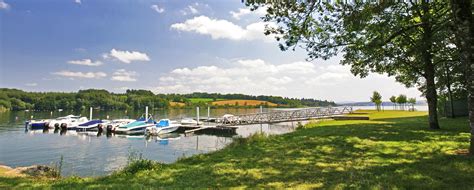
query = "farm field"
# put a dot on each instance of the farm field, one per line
(244, 103)
(203, 100)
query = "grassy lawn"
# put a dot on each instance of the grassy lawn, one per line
(392, 150)
(202, 100)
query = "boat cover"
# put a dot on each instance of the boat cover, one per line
(91, 122)
(133, 124)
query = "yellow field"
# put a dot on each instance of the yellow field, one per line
(177, 104)
(243, 103)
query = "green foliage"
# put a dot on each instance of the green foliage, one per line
(57, 168)
(136, 163)
(402, 99)
(376, 99)
(407, 40)
(14, 99)
(134, 99)
(393, 99)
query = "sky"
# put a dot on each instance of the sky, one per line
(166, 47)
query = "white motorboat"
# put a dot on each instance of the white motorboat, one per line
(164, 126)
(188, 121)
(116, 123)
(67, 122)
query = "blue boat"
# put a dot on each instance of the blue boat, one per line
(137, 126)
(92, 125)
(36, 125)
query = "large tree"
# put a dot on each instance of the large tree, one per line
(464, 27)
(395, 38)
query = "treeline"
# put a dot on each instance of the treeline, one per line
(288, 102)
(14, 99)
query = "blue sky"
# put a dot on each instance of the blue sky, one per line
(166, 47)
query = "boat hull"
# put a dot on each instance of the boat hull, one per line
(161, 130)
(37, 125)
(133, 130)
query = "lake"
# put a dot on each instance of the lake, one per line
(92, 154)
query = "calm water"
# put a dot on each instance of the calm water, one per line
(90, 154)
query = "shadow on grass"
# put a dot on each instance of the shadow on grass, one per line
(390, 153)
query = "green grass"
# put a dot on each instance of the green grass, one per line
(202, 100)
(393, 150)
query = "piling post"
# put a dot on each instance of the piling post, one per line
(90, 113)
(197, 115)
(208, 113)
(261, 109)
(146, 113)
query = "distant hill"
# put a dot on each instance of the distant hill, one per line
(14, 99)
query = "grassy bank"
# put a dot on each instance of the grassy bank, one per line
(393, 149)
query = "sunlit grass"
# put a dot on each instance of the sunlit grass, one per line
(392, 150)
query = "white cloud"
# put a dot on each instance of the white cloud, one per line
(191, 9)
(4, 5)
(295, 79)
(126, 56)
(157, 8)
(123, 75)
(87, 62)
(253, 76)
(78, 1)
(246, 11)
(89, 75)
(223, 29)
(31, 84)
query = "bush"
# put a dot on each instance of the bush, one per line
(237, 141)
(299, 126)
(137, 163)
(140, 165)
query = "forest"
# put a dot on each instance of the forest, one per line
(15, 99)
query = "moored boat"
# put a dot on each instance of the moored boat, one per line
(162, 127)
(188, 121)
(92, 125)
(137, 126)
(38, 124)
(67, 122)
(116, 123)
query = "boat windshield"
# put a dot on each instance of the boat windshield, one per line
(163, 123)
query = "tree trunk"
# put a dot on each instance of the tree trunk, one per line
(450, 92)
(431, 95)
(464, 33)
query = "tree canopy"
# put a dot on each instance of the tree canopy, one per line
(408, 40)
